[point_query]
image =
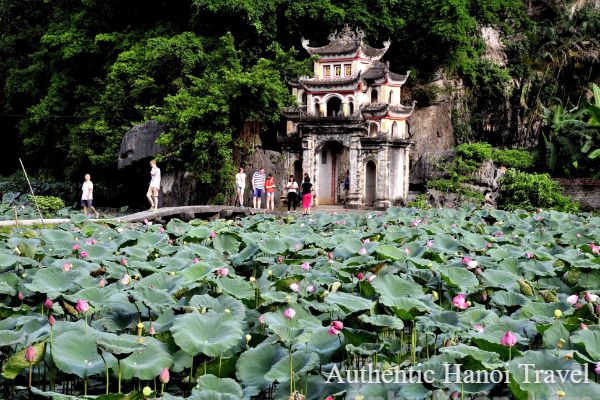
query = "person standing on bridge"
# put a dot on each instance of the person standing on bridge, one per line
(306, 194)
(152, 194)
(270, 190)
(292, 195)
(240, 185)
(258, 187)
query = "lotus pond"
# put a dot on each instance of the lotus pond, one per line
(271, 308)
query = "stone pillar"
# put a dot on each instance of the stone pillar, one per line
(355, 198)
(382, 199)
(322, 110)
(308, 159)
(406, 172)
(345, 108)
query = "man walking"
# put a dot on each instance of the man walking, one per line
(258, 187)
(152, 194)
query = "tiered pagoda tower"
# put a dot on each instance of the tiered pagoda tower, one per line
(350, 117)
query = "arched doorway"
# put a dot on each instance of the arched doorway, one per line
(374, 96)
(329, 157)
(395, 133)
(298, 171)
(373, 129)
(334, 106)
(370, 183)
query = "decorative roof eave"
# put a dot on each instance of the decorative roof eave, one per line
(400, 111)
(382, 110)
(347, 42)
(372, 53)
(397, 78)
(347, 83)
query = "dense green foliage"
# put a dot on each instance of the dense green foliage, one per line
(75, 76)
(513, 158)
(522, 190)
(48, 205)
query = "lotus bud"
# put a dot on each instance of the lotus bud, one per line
(434, 296)
(82, 306)
(248, 338)
(20, 296)
(146, 391)
(305, 266)
(325, 293)
(102, 282)
(213, 234)
(583, 326)
(454, 395)
(339, 325)
(252, 279)
(261, 318)
(294, 287)
(573, 299)
(83, 254)
(557, 313)
(151, 331)
(30, 354)
(76, 247)
(48, 304)
(590, 297)
(597, 369)
(289, 313)
(360, 276)
(164, 376)
(51, 320)
(125, 279)
(484, 296)
(509, 339)
(269, 273)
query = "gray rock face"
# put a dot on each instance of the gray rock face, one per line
(140, 143)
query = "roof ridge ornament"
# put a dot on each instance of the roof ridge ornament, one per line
(347, 33)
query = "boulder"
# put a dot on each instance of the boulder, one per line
(140, 143)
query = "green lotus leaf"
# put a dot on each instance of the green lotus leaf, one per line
(156, 299)
(197, 272)
(18, 363)
(323, 343)
(460, 277)
(211, 334)
(10, 338)
(548, 381)
(148, 362)
(9, 282)
(254, 363)
(197, 234)
(7, 260)
(499, 278)
(348, 302)
(508, 299)
(391, 252)
(237, 287)
(220, 304)
(302, 363)
(488, 359)
(220, 386)
(118, 344)
(385, 321)
(97, 252)
(51, 281)
(226, 243)
(74, 353)
(588, 341)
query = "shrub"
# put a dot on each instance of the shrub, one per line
(470, 156)
(517, 159)
(419, 202)
(522, 190)
(443, 185)
(49, 205)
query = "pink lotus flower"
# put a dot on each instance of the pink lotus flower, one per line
(30, 354)
(330, 255)
(595, 249)
(339, 325)
(332, 331)
(82, 306)
(297, 246)
(279, 259)
(465, 260)
(488, 245)
(223, 272)
(578, 235)
(102, 282)
(460, 301)
(597, 369)
(329, 398)
(76, 247)
(337, 222)
(261, 318)
(124, 261)
(484, 296)
(479, 328)
(151, 331)
(51, 320)
(416, 223)
(289, 313)
(126, 279)
(295, 287)
(305, 266)
(578, 305)
(472, 264)
(146, 221)
(88, 242)
(530, 255)
(20, 296)
(407, 250)
(429, 243)
(453, 226)
(499, 234)
(366, 240)
(509, 339)
(371, 277)
(310, 288)
(164, 376)
(573, 299)
(83, 254)
(48, 304)
(67, 267)
(213, 234)
(583, 326)
(360, 276)
(454, 395)
(590, 297)
(362, 251)
(196, 260)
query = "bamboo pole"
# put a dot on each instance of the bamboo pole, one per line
(32, 194)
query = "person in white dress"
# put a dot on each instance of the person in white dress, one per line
(154, 187)
(240, 185)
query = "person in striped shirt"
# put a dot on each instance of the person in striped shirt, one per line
(258, 187)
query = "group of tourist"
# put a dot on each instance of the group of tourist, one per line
(265, 184)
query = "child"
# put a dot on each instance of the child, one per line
(87, 195)
(152, 193)
(270, 189)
